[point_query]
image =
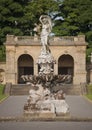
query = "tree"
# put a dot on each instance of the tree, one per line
(77, 17)
(11, 18)
(36, 8)
(18, 16)
(70, 17)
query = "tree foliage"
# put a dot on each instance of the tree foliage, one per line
(11, 20)
(11, 17)
(18, 16)
(36, 8)
(77, 18)
(70, 17)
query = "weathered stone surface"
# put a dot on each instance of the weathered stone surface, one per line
(41, 102)
(61, 107)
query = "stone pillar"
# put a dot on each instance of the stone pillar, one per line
(16, 71)
(90, 69)
(79, 77)
(10, 65)
(56, 69)
(80, 66)
(35, 68)
(79, 72)
(91, 76)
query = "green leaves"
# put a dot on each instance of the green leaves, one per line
(18, 16)
(78, 15)
(36, 8)
(11, 13)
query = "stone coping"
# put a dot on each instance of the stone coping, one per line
(30, 43)
(61, 40)
(60, 118)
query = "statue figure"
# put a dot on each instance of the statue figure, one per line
(46, 29)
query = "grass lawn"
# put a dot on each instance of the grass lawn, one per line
(89, 95)
(2, 96)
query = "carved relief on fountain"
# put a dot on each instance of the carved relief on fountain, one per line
(41, 100)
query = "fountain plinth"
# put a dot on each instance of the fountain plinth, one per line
(43, 101)
(46, 62)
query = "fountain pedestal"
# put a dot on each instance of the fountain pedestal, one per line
(46, 62)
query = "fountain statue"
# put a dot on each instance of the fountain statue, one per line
(45, 59)
(43, 100)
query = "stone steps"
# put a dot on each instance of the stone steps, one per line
(24, 89)
(70, 89)
(20, 89)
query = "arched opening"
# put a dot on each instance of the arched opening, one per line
(66, 65)
(25, 66)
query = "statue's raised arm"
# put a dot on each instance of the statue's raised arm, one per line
(46, 21)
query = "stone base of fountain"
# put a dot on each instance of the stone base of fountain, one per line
(44, 104)
(39, 114)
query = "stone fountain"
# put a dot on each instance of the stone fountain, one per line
(43, 100)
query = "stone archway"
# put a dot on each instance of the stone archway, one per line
(66, 65)
(25, 66)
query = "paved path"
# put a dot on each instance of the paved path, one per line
(46, 126)
(13, 106)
